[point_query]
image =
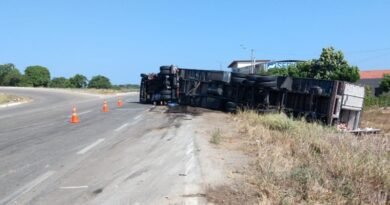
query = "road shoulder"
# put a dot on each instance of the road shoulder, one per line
(223, 164)
(8, 100)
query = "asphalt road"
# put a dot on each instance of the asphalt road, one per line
(131, 155)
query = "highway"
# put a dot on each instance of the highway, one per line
(135, 154)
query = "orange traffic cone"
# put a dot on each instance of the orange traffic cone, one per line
(105, 106)
(74, 118)
(120, 103)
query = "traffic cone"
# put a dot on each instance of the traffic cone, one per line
(120, 103)
(105, 106)
(74, 118)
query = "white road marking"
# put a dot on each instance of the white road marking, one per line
(190, 165)
(86, 149)
(190, 148)
(137, 117)
(85, 112)
(28, 187)
(73, 187)
(121, 127)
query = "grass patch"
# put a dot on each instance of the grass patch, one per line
(6, 98)
(377, 117)
(216, 137)
(298, 162)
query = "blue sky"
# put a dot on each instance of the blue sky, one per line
(121, 39)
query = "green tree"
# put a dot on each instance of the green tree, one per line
(25, 82)
(9, 75)
(330, 66)
(37, 76)
(99, 81)
(385, 83)
(78, 81)
(60, 82)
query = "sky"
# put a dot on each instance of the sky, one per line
(121, 39)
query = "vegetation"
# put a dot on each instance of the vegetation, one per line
(60, 82)
(306, 163)
(6, 98)
(216, 137)
(39, 76)
(385, 83)
(99, 82)
(330, 66)
(78, 81)
(371, 101)
(9, 75)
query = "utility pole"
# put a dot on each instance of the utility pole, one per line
(252, 58)
(252, 62)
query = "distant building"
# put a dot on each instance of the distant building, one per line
(245, 66)
(372, 78)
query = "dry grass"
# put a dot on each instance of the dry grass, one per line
(305, 163)
(216, 137)
(6, 98)
(377, 118)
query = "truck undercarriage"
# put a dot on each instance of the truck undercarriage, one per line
(328, 101)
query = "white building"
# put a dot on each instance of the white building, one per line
(245, 66)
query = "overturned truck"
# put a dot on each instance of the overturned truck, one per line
(331, 102)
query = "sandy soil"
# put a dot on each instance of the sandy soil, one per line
(223, 165)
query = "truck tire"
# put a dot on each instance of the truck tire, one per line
(166, 92)
(268, 84)
(316, 90)
(249, 82)
(237, 80)
(230, 105)
(266, 78)
(239, 75)
(215, 91)
(231, 110)
(165, 97)
(166, 70)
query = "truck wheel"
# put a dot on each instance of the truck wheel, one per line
(166, 92)
(165, 70)
(237, 80)
(231, 110)
(266, 78)
(165, 97)
(267, 84)
(230, 105)
(316, 90)
(239, 75)
(249, 82)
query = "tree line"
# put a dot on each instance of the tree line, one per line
(39, 76)
(330, 66)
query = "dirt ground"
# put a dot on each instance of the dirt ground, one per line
(224, 166)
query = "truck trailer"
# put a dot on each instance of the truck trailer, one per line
(330, 102)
